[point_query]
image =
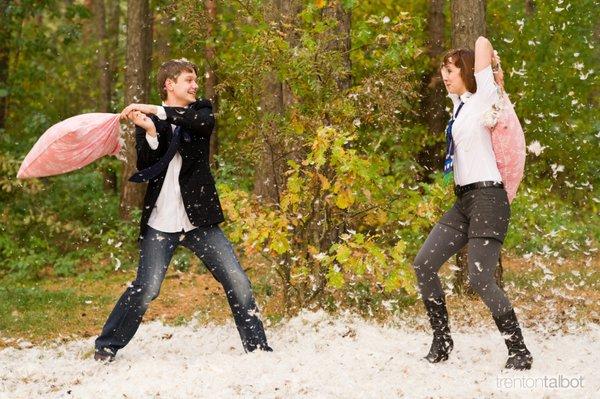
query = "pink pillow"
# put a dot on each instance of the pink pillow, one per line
(508, 142)
(72, 144)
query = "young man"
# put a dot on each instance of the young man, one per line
(181, 207)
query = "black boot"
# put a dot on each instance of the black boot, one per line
(519, 357)
(442, 343)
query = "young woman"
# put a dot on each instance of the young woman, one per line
(479, 217)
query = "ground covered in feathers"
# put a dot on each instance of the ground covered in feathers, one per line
(316, 356)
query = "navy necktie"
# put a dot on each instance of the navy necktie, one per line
(448, 161)
(156, 169)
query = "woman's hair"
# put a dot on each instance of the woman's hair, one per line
(464, 59)
(171, 70)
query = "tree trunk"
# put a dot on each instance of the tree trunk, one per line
(529, 7)
(210, 81)
(113, 12)
(105, 81)
(137, 85)
(269, 176)
(468, 23)
(341, 43)
(5, 42)
(434, 93)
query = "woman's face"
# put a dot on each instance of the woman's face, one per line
(452, 80)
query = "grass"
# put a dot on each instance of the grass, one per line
(68, 307)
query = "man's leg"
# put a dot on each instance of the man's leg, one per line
(156, 251)
(216, 252)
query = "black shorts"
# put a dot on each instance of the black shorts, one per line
(480, 213)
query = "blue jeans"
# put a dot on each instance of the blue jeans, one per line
(156, 250)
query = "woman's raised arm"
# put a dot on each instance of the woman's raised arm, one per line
(483, 53)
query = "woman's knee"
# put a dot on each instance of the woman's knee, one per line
(481, 283)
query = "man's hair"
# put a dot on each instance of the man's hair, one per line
(171, 70)
(464, 59)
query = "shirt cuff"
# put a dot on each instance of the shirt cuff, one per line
(152, 141)
(160, 113)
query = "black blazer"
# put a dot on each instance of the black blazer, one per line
(197, 184)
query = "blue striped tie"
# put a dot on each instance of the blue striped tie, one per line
(448, 161)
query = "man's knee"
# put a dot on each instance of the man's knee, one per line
(148, 292)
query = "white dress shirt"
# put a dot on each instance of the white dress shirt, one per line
(474, 158)
(169, 215)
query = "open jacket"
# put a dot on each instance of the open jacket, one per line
(197, 183)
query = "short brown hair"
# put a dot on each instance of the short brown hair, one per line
(464, 59)
(171, 70)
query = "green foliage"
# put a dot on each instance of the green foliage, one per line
(352, 213)
(60, 224)
(550, 62)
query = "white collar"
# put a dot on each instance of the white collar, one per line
(463, 97)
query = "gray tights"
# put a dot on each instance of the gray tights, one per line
(441, 244)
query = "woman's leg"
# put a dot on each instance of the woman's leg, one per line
(443, 242)
(483, 260)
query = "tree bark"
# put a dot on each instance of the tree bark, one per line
(434, 93)
(341, 43)
(468, 22)
(529, 7)
(137, 85)
(105, 81)
(113, 12)
(210, 81)
(5, 44)
(276, 96)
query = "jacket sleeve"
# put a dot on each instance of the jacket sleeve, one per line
(198, 117)
(146, 156)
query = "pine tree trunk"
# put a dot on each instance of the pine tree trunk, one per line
(210, 81)
(434, 93)
(105, 80)
(137, 85)
(468, 22)
(529, 7)
(269, 177)
(113, 13)
(5, 42)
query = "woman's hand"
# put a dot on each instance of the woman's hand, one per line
(497, 69)
(499, 77)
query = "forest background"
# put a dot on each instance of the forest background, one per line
(327, 150)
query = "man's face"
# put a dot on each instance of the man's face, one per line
(182, 91)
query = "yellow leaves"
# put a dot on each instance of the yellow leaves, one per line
(343, 253)
(280, 244)
(320, 3)
(377, 217)
(344, 199)
(335, 278)
(325, 185)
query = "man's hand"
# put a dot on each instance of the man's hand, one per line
(141, 120)
(144, 108)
